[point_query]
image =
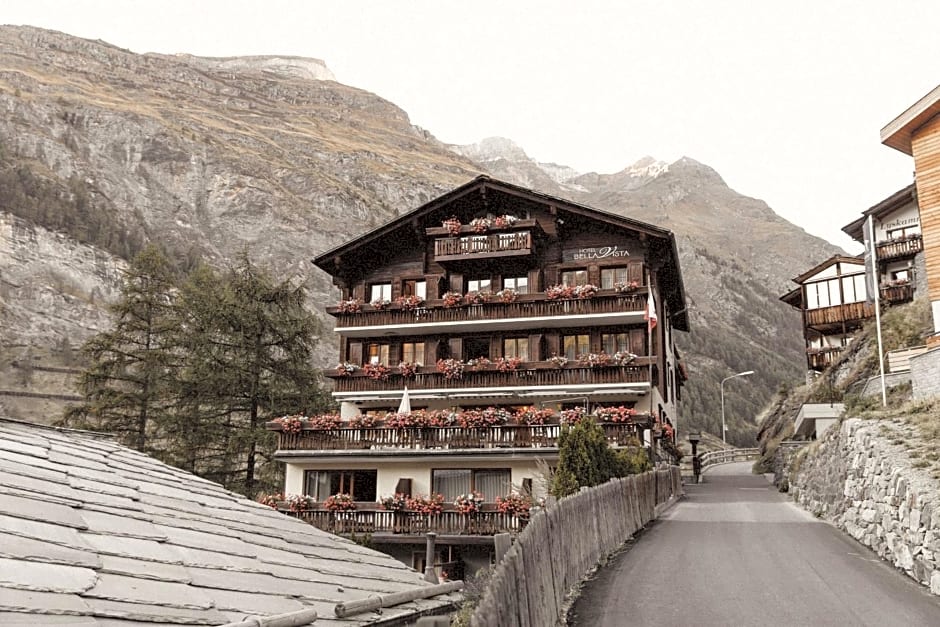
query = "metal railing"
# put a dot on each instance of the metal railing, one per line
(726, 456)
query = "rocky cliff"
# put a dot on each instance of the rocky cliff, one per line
(207, 156)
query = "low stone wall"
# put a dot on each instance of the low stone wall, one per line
(925, 374)
(560, 546)
(867, 487)
(783, 458)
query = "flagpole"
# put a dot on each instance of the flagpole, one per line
(877, 296)
(649, 337)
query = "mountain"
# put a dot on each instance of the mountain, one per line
(102, 149)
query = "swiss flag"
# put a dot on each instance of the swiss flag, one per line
(650, 315)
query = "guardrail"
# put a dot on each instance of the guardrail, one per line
(727, 456)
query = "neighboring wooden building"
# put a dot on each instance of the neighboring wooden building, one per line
(494, 312)
(831, 298)
(916, 132)
(898, 244)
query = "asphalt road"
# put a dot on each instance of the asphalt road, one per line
(736, 552)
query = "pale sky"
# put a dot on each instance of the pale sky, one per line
(784, 99)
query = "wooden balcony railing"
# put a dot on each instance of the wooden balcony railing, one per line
(489, 244)
(531, 374)
(822, 358)
(446, 438)
(527, 306)
(851, 312)
(897, 293)
(371, 518)
(899, 248)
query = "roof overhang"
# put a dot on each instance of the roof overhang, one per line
(899, 132)
(828, 262)
(895, 201)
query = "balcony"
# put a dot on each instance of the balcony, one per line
(505, 439)
(821, 358)
(470, 245)
(405, 527)
(895, 294)
(899, 248)
(530, 310)
(851, 313)
(529, 380)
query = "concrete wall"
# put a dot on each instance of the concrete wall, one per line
(560, 546)
(867, 487)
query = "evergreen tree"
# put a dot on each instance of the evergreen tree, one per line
(585, 459)
(128, 386)
(248, 359)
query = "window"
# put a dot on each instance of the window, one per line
(904, 232)
(412, 352)
(476, 347)
(615, 343)
(828, 293)
(575, 345)
(519, 283)
(901, 275)
(381, 291)
(376, 354)
(610, 276)
(479, 285)
(415, 287)
(454, 482)
(574, 277)
(516, 347)
(360, 484)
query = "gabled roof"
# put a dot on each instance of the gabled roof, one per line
(895, 201)
(105, 535)
(794, 298)
(898, 132)
(827, 263)
(484, 185)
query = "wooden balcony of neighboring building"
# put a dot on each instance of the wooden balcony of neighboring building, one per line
(388, 527)
(499, 439)
(469, 244)
(821, 358)
(899, 248)
(535, 310)
(896, 294)
(530, 379)
(850, 314)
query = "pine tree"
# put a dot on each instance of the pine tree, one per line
(128, 386)
(250, 341)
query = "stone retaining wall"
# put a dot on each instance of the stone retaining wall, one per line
(867, 487)
(558, 547)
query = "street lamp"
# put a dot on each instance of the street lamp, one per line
(724, 429)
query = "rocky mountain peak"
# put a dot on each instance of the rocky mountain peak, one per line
(491, 149)
(277, 65)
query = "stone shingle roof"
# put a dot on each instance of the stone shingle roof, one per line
(95, 534)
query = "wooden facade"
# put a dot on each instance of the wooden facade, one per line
(537, 304)
(916, 132)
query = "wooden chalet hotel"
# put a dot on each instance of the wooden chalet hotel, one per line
(470, 328)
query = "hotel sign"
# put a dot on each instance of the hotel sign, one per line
(595, 252)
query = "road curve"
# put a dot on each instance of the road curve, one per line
(736, 552)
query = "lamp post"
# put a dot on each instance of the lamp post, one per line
(724, 429)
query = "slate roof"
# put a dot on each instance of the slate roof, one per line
(96, 534)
